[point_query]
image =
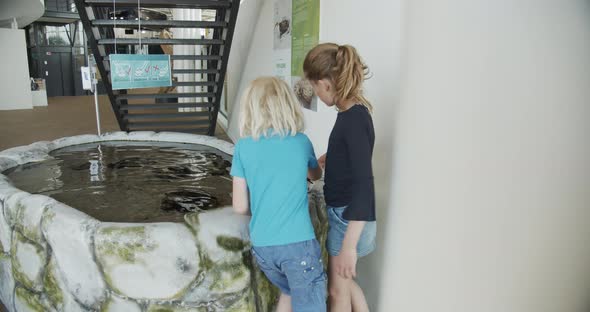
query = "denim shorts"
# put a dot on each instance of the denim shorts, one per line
(298, 271)
(338, 226)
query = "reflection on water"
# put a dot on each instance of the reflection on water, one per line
(131, 181)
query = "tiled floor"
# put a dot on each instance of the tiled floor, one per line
(64, 116)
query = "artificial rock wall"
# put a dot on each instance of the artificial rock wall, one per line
(56, 258)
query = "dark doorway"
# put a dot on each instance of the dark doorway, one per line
(52, 74)
(56, 53)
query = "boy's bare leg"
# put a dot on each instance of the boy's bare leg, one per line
(284, 304)
(359, 302)
(340, 290)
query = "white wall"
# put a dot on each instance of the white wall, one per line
(483, 192)
(257, 62)
(491, 179)
(374, 29)
(15, 86)
(24, 11)
(342, 22)
(241, 42)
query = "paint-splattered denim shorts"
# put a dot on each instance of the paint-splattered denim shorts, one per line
(338, 227)
(297, 269)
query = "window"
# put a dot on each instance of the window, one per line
(67, 6)
(55, 35)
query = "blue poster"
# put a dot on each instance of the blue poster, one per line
(132, 71)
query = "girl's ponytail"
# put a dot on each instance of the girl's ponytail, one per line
(343, 66)
(349, 74)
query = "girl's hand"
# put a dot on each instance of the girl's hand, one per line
(345, 263)
(322, 162)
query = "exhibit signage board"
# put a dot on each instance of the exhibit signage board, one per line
(132, 71)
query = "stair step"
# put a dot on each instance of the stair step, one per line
(195, 71)
(194, 83)
(160, 125)
(148, 109)
(180, 57)
(201, 130)
(166, 116)
(159, 23)
(196, 57)
(164, 95)
(192, 4)
(150, 41)
(165, 106)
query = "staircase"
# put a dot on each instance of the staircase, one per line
(154, 109)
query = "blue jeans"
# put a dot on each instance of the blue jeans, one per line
(338, 226)
(296, 269)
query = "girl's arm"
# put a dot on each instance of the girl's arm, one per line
(362, 206)
(241, 196)
(345, 262)
(353, 234)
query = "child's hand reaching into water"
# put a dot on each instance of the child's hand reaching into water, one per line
(322, 162)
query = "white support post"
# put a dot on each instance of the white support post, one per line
(92, 67)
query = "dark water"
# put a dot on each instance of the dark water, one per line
(131, 181)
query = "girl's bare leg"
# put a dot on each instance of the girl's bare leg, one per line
(340, 291)
(359, 302)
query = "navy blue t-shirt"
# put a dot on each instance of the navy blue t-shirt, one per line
(349, 172)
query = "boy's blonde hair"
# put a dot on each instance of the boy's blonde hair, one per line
(269, 107)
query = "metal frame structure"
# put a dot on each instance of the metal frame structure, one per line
(99, 30)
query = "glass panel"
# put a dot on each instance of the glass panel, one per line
(31, 32)
(67, 6)
(54, 35)
(80, 35)
(79, 58)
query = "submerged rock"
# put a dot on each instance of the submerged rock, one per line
(181, 170)
(131, 162)
(80, 166)
(188, 201)
(216, 165)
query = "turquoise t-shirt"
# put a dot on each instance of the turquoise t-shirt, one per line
(275, 169)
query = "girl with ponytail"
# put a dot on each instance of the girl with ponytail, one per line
(336, 73)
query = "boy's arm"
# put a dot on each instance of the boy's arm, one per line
(241, 196)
